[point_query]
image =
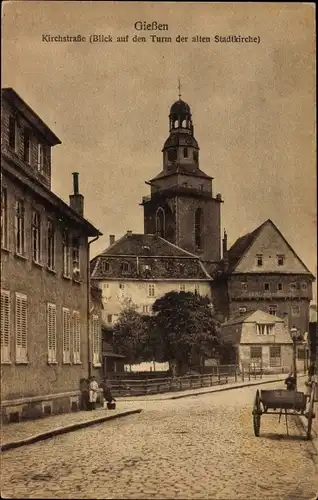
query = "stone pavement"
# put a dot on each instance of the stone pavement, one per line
(18, 434)
(194, 448)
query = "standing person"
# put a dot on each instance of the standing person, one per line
(84, 388)
(93, 391)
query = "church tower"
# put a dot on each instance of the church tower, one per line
(181, 207)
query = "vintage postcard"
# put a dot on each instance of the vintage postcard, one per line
(158, 251)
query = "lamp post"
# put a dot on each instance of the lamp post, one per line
(293, 334)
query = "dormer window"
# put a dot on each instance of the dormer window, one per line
(106, 267)
(280, 260)
(125, 267)
(259, 260)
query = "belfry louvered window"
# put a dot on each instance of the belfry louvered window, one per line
(198, 227)
(66, 335)
(5, 326)
(51, 333)
(76, 325)
(21, 328)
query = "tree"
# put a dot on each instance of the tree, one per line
(130, 334)
(184, 328)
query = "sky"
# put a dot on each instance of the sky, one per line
(253, 105)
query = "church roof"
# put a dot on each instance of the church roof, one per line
(190, 170)
(147, 257)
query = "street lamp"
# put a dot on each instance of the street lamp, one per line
(294, 336)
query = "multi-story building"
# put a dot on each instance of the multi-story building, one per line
(262, 271)
(45, 304)
(139, 268)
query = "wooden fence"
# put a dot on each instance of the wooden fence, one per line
(220, 375)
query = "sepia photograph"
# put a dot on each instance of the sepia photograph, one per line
(159, 251)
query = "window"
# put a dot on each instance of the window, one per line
(40, 157)
(198, 226)
(160, 222)
(125, 267)
(304, 287)
(4, 218)
(27, 146)
(263, 329)
(195, 156)
(266, 287)
(50, 245)
(106, 267)
(256, 354)
(109, 318)
(280, 287)
(36, 236)
(242, 310)
(300, 353)
(244, 286)
(66, 335)
(145, 309)
(259, 260)
(185, 152)
(21, 328)
(96, 339)
(122, 286)
(51, 333)
(197, 289)
(66, 254)
(295, 310)
(293, 287)
(5, 326)
(274, 356)
(182, 287)
(13, 133)
(76, 325)
(19, 227)
(151, 290)
(272, 310)
(280, 260)
(76, 257)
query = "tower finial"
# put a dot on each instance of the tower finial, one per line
(179, 88)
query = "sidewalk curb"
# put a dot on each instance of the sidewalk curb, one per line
(63, 430)
(314, 441)
(241, 386)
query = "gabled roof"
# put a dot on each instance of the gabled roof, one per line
(243, 244)
(146, 245)
(148, 257)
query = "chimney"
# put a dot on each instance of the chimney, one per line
(129, 233)
(77, 199)
(111, 239)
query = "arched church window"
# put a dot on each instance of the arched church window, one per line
(185, 152)
(176, 124)
(195, 156)
(184, 123)
(198, 227)
(160, 222)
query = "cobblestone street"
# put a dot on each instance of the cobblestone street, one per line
(193, 448)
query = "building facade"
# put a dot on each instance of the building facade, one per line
(261, 271)
(262, 341)
(44, 272)
(139, 268)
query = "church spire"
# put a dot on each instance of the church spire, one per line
(179, 89)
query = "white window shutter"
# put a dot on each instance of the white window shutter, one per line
(21, 327)
(76, 337)
(66, 336)
(96, 339)
(51, 332)
(5, 326)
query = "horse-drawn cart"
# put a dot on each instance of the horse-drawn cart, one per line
(283, 401)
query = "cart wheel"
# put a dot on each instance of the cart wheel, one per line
(310, 415)
(257, 412)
